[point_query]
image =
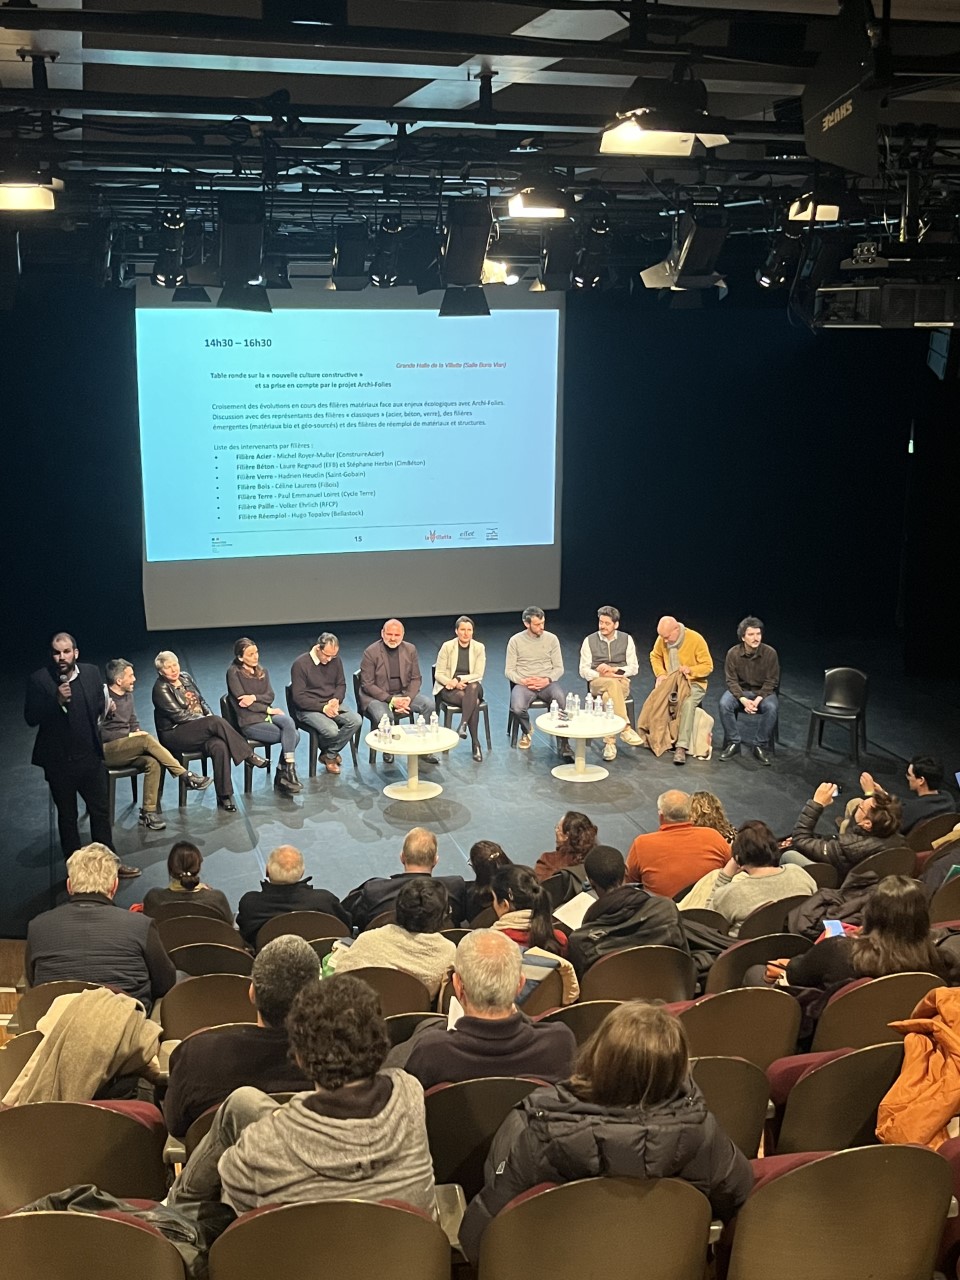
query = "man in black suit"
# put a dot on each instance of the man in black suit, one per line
(64, 702)
(379, 894)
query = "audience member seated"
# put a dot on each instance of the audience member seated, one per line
(524, 913)
(576, 836)
(630, 1109)
(361, 1135)
(285, 889)
(706, 810)
(186, 723)
(753, 876)
(624, 915)
(183, 867)
(876, 826)
(250, 691)
(679, 853)
(924, 778)
(492, 1038)
(895, 938)
(414, 944)
(90, 939)
(485, 858)
(418, 857)
(205, 1069)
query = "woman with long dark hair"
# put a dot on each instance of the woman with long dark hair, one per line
(251, 693)
(183, 867)
(576, 835)
(629, 1108)
(525, 914)
(486, 857)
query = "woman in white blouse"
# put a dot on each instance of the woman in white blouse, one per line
(460, 665)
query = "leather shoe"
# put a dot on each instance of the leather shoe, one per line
(197, 782)
(387, 758)
(730, 750)
(259, 762)
(226, 804)
(330, 764)
(566, 751)
(462, 731)
(761, 755)
(430, 759)
(127, 873)
(680, 755)
(477, 753)
(152, 821)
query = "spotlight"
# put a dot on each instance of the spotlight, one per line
(469, 224)
(188, 292)
(168, 270)
(558, 257)
(469, 301)
(591, 270)
(349, 270)
(822, 204)
(649, 112)
(497, 272)
(245, 297)
(693, 255)
(537, 198)
(778, 265)
(384, 269)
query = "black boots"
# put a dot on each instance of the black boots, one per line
(285, 779)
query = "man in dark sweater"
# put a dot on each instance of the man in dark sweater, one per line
(89, 939)
(492, 1038)
(206, 1068)
(126, 745)
(624, 915)
(318, 688)
(752, 672)
(285, 889)
(379, 894)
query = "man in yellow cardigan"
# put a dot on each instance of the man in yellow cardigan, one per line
(680, 648)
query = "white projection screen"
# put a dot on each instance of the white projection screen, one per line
(351, 455)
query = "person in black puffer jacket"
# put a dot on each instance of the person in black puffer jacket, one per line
(876, 826)
(630, 1110)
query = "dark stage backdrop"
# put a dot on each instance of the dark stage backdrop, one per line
(715, 462)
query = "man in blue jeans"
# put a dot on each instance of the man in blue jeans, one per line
(752, 672)
(318, 687)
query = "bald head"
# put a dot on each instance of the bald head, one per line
(285, 865)
(391, 633)
(674, 806)
(419, 851)
(668, 629)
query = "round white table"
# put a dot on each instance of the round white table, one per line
(410, 744)
(578, 730)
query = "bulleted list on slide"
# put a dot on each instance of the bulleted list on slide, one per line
(312, 431)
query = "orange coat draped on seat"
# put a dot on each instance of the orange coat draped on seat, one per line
(926, 1096)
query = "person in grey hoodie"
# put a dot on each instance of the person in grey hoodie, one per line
(360, 1135)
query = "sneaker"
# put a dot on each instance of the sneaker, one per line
(609, 751)
(152, 821)
(524, 743)
(631, 738)
(197, 782)
(127, 873)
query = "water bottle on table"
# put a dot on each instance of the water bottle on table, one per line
(434, 722)
(383, 728)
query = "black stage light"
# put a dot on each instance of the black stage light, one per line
(241, 238)
(468, 225)
(349, 271)
(464, 301)
(245, 297)
(385, 267)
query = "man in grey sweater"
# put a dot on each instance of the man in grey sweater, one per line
(534, 666)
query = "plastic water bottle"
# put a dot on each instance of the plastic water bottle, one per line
(588, 705)
(608, 708)
(576, 704)
(383, 728)
(434, 722)
(554, 709)
(421, 726)
(568, 704)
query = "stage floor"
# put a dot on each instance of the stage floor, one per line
(349, 830)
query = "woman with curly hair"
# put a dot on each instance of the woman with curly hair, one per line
(706, 810)
(360, 1135)
(576, 835)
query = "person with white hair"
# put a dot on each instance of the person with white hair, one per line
(91, 939)
(286, 888)
(493, 1038)
(186, 723)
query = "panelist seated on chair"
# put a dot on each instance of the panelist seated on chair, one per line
(680, 648)
(534, 665)
(126, 745)
(361, 1135)
(492, 1038)
(379, 894)
(318, 687)
(186, 723)
(205, 1069)
(285, 889)
(875, 826)
(252, 697)
(460, 666)
(90, 939)
(752, 672)
(183, 867)
(608, 660)
(631, 1108)
(390, 681)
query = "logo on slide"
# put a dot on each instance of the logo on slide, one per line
(433, 536)
(467, 535)
(493, 535)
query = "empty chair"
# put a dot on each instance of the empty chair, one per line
(835, 1105)
(921, 837)
(344, 1238)
(399, 992)
(729, 968)
(197, 958)
(207, 1001)
(844, 702)
(896, 861)
(46, 1146)
(461, 1121)
(229, 713)
(85, 1246)
(648, 973)
(824, 873)
(756, 1023)
(582, 1018)
(628, 1228)
(737, 1092)
(703, 915)
(305, 924)
(15, 1055)
(181, 931)
(770, 918)
(173, 910)
(871, 1211)
(35, 1001)
(945, 903)
(859, 1017)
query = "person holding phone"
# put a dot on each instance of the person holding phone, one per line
(876, 826)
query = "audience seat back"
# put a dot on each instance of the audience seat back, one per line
(35, 1001)
(303, 924)
(85, 1246)
(207, 1001)
(736, 1093)
(641, 973)
(461, 1122)
(835, 1105)
(859, 1017)
(756, 1023)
